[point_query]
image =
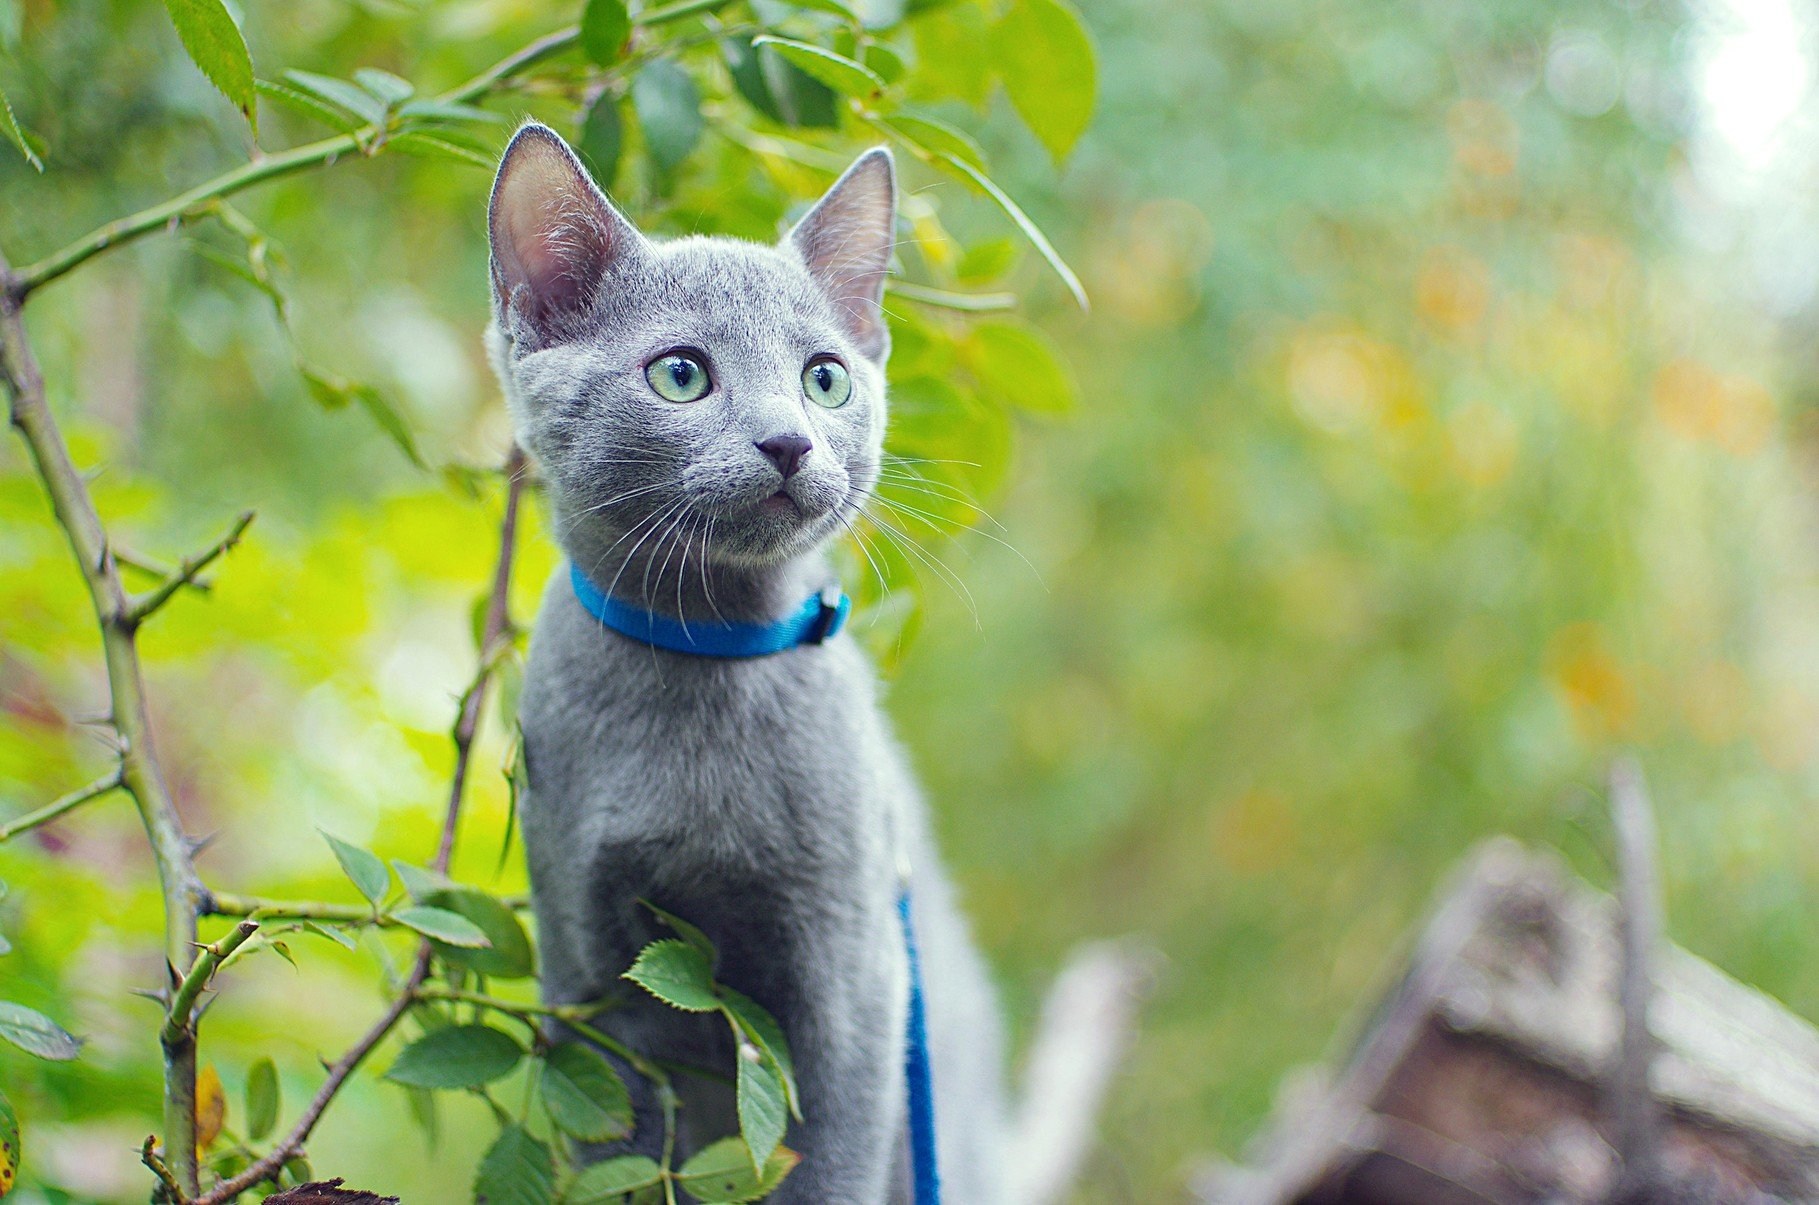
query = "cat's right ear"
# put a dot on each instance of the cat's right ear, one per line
(555, 236)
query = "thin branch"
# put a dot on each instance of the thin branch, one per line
(561, 1012)
(190, 205)
(142, 607)
(195, 981)
(1635, 1113)
(50, 811)
(496, 627)
(267, 1166)
(227, 903)
(148, 1155)
(154, 567)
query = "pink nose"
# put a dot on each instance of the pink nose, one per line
(786, 452)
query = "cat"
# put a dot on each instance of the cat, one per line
(708, 415)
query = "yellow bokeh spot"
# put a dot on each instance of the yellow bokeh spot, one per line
(1149, 275)
(1452, 291)
(1484, 137)
(1695, 401)
(1788, 728)
(1255, 832)
(1342, 380)
(1715, 701)
(1593, 682)
(1484, 443)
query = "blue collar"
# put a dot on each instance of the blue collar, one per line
(816, 620)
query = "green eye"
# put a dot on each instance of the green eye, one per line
(678, 377)
(826, 383)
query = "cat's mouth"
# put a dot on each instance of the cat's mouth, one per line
(780, 503)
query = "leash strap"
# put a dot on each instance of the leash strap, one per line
(818, 619)
(919, 1073)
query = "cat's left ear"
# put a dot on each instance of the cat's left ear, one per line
(846, 240)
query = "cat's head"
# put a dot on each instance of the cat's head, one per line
(726, 392)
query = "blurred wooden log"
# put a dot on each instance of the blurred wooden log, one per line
(1481, 1078)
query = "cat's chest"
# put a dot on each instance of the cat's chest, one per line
(727, 761)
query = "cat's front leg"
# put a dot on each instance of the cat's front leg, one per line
(846, 1037)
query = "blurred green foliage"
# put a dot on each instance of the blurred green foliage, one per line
(1428, 450)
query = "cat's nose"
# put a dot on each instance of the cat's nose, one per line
(786, 452)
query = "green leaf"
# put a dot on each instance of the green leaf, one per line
(391, 90)
(419, 883)
(677, 974)
(461, 1056)
(340, 94)
(442, 925)
(35, 1033)
(761, 1029)
(763, 1110)
(262, 1099)
(10, 1154)
(517, 1170)
(687, 932)
(778, 89)
(584, 1095)
(606, 26)
(445, 110)
(390, 421)
(723, 1172)
(835, 70)
(882, 59)
(517, 783)
(602, 139)
(363, 869)
(507, 954)
(426, 1114)
(431, 146)
(340, 937)
(605, 1183)
(929, 134)
(986, 261)
(1030, 230)
(1021, 366)
(669, 112)
(15, 133)
(303, 102)
(214, 44)
(1046, 61)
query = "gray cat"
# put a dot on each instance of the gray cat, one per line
(708, 415)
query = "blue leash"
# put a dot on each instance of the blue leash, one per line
(918, 1072)
(818, 619)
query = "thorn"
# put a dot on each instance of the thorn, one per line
(198, 844)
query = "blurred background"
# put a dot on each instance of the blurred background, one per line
(1444, 424)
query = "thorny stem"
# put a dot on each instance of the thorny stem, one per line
(496, 628)
(139, 769)
(144, 606)
(177, 1019)
(191, 204)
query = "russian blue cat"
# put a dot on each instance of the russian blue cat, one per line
(708, 415)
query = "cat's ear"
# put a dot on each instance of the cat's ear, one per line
(555, 236)
(846, 242)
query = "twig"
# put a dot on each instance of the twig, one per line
(154, 567)
(561, 1012)
(227, 903)
(145, 605)
(195, 981)
(267, 1166)
(496, 626)
(148, 1155)
(50, 811)
(190, 204)
(1635, 1113)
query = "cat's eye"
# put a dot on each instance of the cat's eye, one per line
(826, 383)
(678, 377)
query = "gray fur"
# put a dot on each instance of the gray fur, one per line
(763, 799)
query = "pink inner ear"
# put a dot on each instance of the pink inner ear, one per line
(845, 241)
(551, 234)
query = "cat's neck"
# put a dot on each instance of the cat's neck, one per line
(673, 579)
